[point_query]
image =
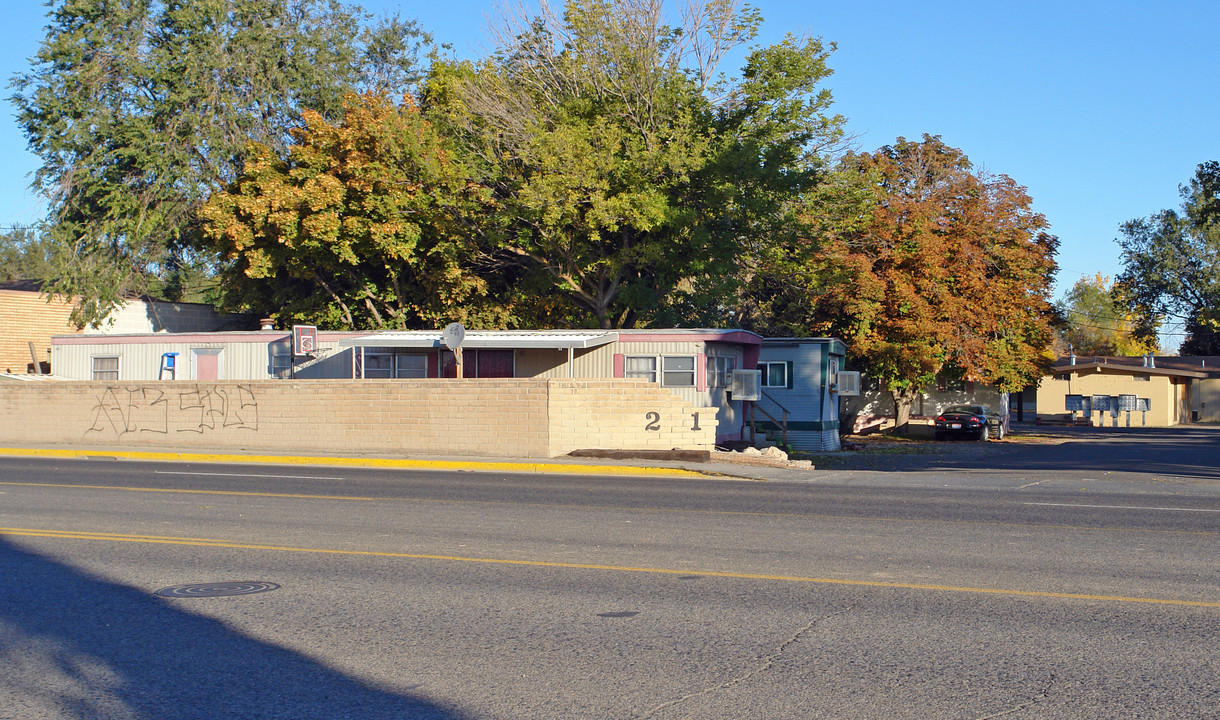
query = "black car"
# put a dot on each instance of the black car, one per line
(973, 421)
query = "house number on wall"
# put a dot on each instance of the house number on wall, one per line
(654, 421)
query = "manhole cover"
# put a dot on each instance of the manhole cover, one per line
(218, 589)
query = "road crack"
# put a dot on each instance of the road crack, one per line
(1046, 691)
(765, 663)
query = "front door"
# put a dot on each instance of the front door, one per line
(207, 363)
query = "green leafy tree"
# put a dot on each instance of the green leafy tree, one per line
(1096, 324)
(140, 109)
(365, 225)
(922, 264)
(24, 255)
(1171, 265)
(628, 173)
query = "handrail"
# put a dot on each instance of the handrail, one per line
(783, 425)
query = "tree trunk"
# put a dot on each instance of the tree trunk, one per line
(903, 400)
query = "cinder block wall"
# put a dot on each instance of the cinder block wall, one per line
(626, 415)
(510, 418)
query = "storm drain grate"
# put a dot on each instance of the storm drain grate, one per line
(217, 589)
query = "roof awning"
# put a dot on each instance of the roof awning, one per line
(491, 339)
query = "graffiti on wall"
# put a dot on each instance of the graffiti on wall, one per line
(122, 411)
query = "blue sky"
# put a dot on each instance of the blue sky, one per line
(1101, 109)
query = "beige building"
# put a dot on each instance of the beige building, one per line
(1116, 391)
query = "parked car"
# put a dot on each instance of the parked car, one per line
(973, 421)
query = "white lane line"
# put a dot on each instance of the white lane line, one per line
(1125, 507)
(253, 475)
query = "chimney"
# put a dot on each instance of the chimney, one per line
(1145, 358)
(1151, 360)
(266, 324)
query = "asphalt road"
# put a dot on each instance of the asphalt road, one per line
(879, 594)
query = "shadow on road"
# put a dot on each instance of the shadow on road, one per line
(76, 646)
(1180, 452)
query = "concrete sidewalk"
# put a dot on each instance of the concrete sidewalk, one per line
(729, 466)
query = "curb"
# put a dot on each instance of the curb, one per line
(383, 463)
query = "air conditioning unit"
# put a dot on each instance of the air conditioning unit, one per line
(746, 385)
(849, 383)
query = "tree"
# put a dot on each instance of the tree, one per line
(365, 225)
(139, 109)
(627, 173)
(1171, 263)
(24, 255)
(1095, 324)
(922, 265)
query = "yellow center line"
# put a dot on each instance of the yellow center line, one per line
(674, 511)
(204, 542)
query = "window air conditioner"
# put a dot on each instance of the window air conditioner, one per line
(746, 385)
(849, 383)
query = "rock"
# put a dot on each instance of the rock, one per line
(774, 453)
(802, 464)
(752, 452)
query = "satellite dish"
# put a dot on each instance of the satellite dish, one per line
(453, 336)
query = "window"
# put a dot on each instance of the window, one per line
(640, 367)
(951, 385)
(281, 365)
(720, 371)
(678, 371)
(1143, 376)
(378, 365)
(411, 366)
(106, 367)
(774, 374)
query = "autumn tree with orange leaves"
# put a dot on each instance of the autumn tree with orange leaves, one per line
(922, 264)
(366, 224)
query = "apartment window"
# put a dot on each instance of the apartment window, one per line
(774, 374)
(720, 371)
(678, 371)
(640, 366)
(106, 367)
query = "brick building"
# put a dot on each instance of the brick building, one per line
(26, 316)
